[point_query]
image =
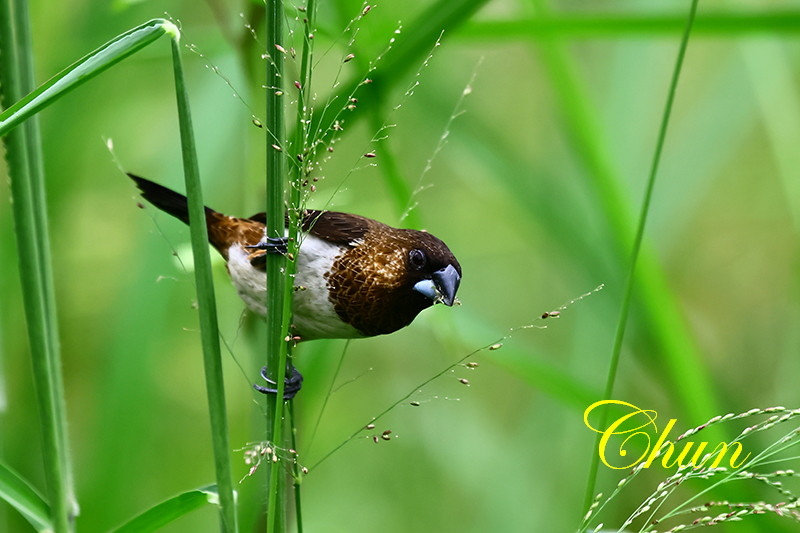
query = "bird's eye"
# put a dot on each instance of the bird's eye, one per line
(417, 259)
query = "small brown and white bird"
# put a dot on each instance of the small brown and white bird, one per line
(355, 277)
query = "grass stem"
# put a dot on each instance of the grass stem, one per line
(24, 155)
(206, 300)
(636, 248)
(276, 264)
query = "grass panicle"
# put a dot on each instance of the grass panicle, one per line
(459, 109)
(462, 362)
(658, 509)
(406, 52)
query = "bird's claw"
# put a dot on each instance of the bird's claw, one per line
(273, 245)
(292, 384)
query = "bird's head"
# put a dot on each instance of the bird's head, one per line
(388, 275)
(431, 268)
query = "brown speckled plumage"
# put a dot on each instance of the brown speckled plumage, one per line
(366, 283)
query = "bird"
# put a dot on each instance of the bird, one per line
(355, 277)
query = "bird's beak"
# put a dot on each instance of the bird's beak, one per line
(442, 286)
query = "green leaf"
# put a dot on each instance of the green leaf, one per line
(25, 499)
(84, 69)
(169, 510)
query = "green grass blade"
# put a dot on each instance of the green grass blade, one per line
(167, 511)
(637, 246)
(25, 499)
(83, 70)
(681, 361)
(207, 307)
(626, 26)
(31, 225)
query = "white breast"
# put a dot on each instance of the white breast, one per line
(250, 283)
(313, 313)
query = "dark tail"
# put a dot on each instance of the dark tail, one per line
(222, 231)
(165, 199)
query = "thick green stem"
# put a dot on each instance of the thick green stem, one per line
(30, 216)
(207, 308)
(277, 323)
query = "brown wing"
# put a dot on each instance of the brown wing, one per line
(332, 226)
(259, 217)
(335, 227)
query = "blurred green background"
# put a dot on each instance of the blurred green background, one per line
(536, 190)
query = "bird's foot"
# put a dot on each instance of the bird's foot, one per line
(273, 245)
(292, 384)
